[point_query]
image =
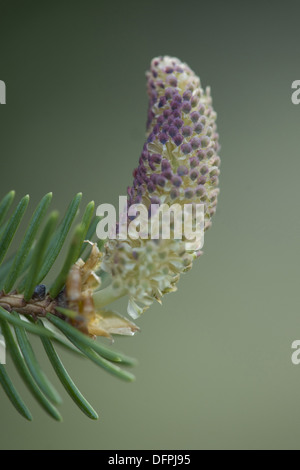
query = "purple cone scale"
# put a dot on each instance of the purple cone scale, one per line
(179, 164)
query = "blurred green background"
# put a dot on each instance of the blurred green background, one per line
(215, 366)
